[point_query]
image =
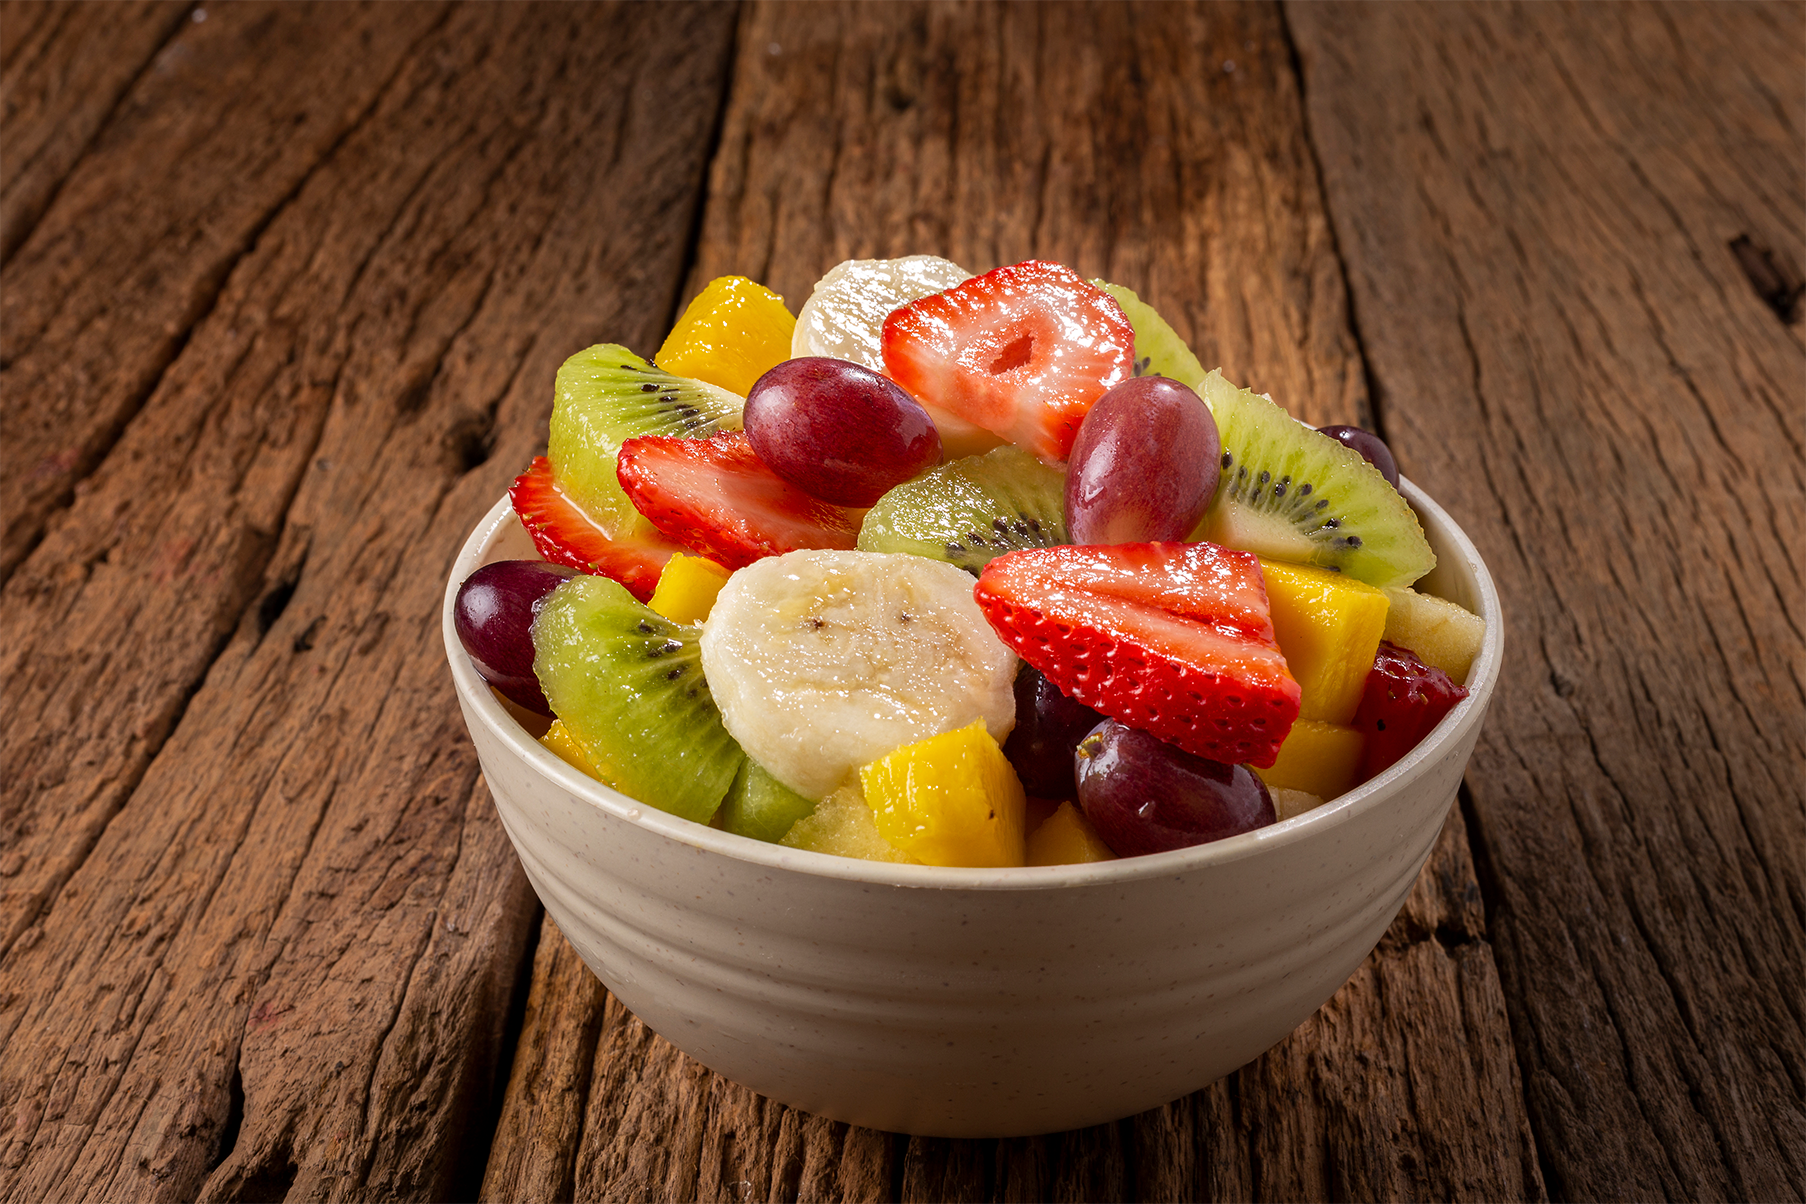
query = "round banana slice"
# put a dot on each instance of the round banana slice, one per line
(825, 661)
(844, 316)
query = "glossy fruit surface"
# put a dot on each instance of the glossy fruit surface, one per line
(838, 431)
(1021, 352)
(1144, 466)
(1404, 699)
(1372, 448)
(1049, 726)
(729, 335)
(1173, 638)
(564, 532)
(494, 615)
(715, 496)
(1146, 796)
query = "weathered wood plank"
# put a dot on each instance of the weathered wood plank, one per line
(1540, 209)
(272, 953)
(1115, 138)
(62, 69)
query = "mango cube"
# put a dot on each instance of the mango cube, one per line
(1328, 626)
(687, 587)
(731, 335)
(951, 799)
(1067, 838)
(1443, 635)
(842, 825)
(1323, 759)
(558, 738)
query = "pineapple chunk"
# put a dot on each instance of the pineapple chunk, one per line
(731, 335)
(1329, 627)
(1323, 759)
(842, 824)
(951, 799)
(1067, 838)
(687, 588)
(1443, 635)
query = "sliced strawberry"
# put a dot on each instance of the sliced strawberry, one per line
(565, 534)
(1022, 352)
(1403, 701)
(715, 496)
(1171, 638)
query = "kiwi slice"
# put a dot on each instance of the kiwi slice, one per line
(1159, 351)
(760, 806)
(606, 394)
(628, 685)
(970, 510)
(1292, 494)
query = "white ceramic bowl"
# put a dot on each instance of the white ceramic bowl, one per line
(972, 1002)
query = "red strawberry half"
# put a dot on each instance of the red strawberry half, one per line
(1022, 352)
(565, 534)
(1172, 638)
(715, 496)
(1403, 700)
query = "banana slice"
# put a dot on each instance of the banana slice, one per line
(844, 316)
(825, 661)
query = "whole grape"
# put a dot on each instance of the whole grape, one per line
(1371, 446)
(1049, 726)
(1144, 465)
(839, 431)
(1145, 796)
(494, 613)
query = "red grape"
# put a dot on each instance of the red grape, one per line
(494, 614)
(1143, 795)
(1144, 466)
(839, 431)
(1049, 726)
(1371, 446)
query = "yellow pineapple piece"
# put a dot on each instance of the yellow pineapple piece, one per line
(687, 587)
(731, 335)
(1329, 627)
(951, 799)
(558, 738)
(1067, 838)
(842, 824)
(1323, 759)
(1443, 635)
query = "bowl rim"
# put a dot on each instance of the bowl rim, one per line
(480, 702)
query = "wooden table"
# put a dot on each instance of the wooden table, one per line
(284, 289)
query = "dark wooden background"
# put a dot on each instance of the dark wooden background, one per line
(282, 292)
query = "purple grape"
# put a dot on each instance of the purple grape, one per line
(494, 614)
(839, 431)
(1146, 796)
(1049, 726)
(1371, 446)
(1144, 465)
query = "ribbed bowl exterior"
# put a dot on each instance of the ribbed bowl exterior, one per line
(972, 1003)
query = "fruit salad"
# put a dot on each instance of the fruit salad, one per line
(960, 570)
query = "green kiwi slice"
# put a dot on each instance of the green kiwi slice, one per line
(760, 806)
(1159, 351)
(606, 394)
(628, 685)
(1289, 493)
(972, 509)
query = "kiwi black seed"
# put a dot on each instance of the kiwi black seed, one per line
(606, 394)
(972, 509)
(1159, 351)
(628, 685)
(1290, 493)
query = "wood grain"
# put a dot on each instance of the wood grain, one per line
(265, 925)
(1113, 138)
(1538, 207)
